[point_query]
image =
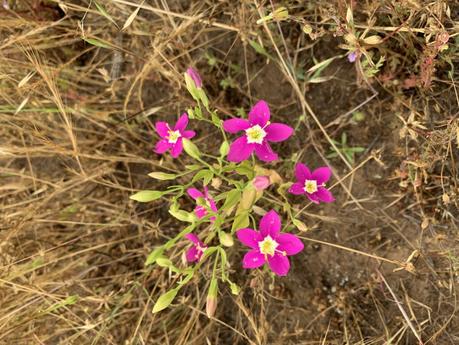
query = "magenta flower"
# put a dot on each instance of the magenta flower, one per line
(258, 132)
(269, 245)
(196, 250)
(261, 182)
(312, 184)
(172, 138)
(195, 76)
(201, 210)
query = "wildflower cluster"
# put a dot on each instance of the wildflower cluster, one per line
(237, 183)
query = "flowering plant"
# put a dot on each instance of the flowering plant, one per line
(237, 184)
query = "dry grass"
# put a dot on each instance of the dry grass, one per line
(79, 97)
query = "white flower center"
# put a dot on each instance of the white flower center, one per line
(268, 246)
(173, 136)
(255, 134)
(310, 186)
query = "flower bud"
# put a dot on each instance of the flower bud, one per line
(261, 182)
(194, 75)
(226, 239)
(211, 301)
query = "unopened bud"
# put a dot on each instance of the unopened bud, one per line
(261, 182)
(194, 75)
(211, 301)
(226, 239)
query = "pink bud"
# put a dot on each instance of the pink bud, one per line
(261, 182)
(211, 306)
(195, 76)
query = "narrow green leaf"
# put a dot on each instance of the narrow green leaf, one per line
(154, 255)
(164, 300)
(97, 42)
(260, 49)
(240, 221)
(206, 175)
(232, 199)
(164, 262)
(103, 12)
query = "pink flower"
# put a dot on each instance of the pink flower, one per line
(172, 138)
(196, 250)
(269, 245)
(195, 76)
(261, 182)
(312, 184)
(258, 132)
(201, 210)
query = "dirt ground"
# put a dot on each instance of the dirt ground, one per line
(79, 99)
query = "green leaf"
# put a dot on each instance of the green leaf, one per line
(164, 262)
(162, 176)
(191, 149)
(103, 12)
(146, 195)
(260, 49)
(97, 42)
(154, 255)
(165, 300)
(205, 174)
(300, 225)
(235, 289)
(245, 170)
(321, 65)
(68, 301)
(240, 221)
(232, 199)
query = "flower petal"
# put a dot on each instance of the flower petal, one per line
(182, 122)
(212, 205)
(302, 172)
(289, 243)
(249, 237)
(270, 224)
(265, 153)
(296, 189)
(192, 254)
(240, 150)
(279, 264)
(321, 175)
(177, 148)
(162, 146)
(313, 197)
(193, 238)
(235, 125)
(278, 132)
(194, 193)
(259, 114)
(324, 195)
(253, 259)
(162, 128)
(188, 134)
(200, 211)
